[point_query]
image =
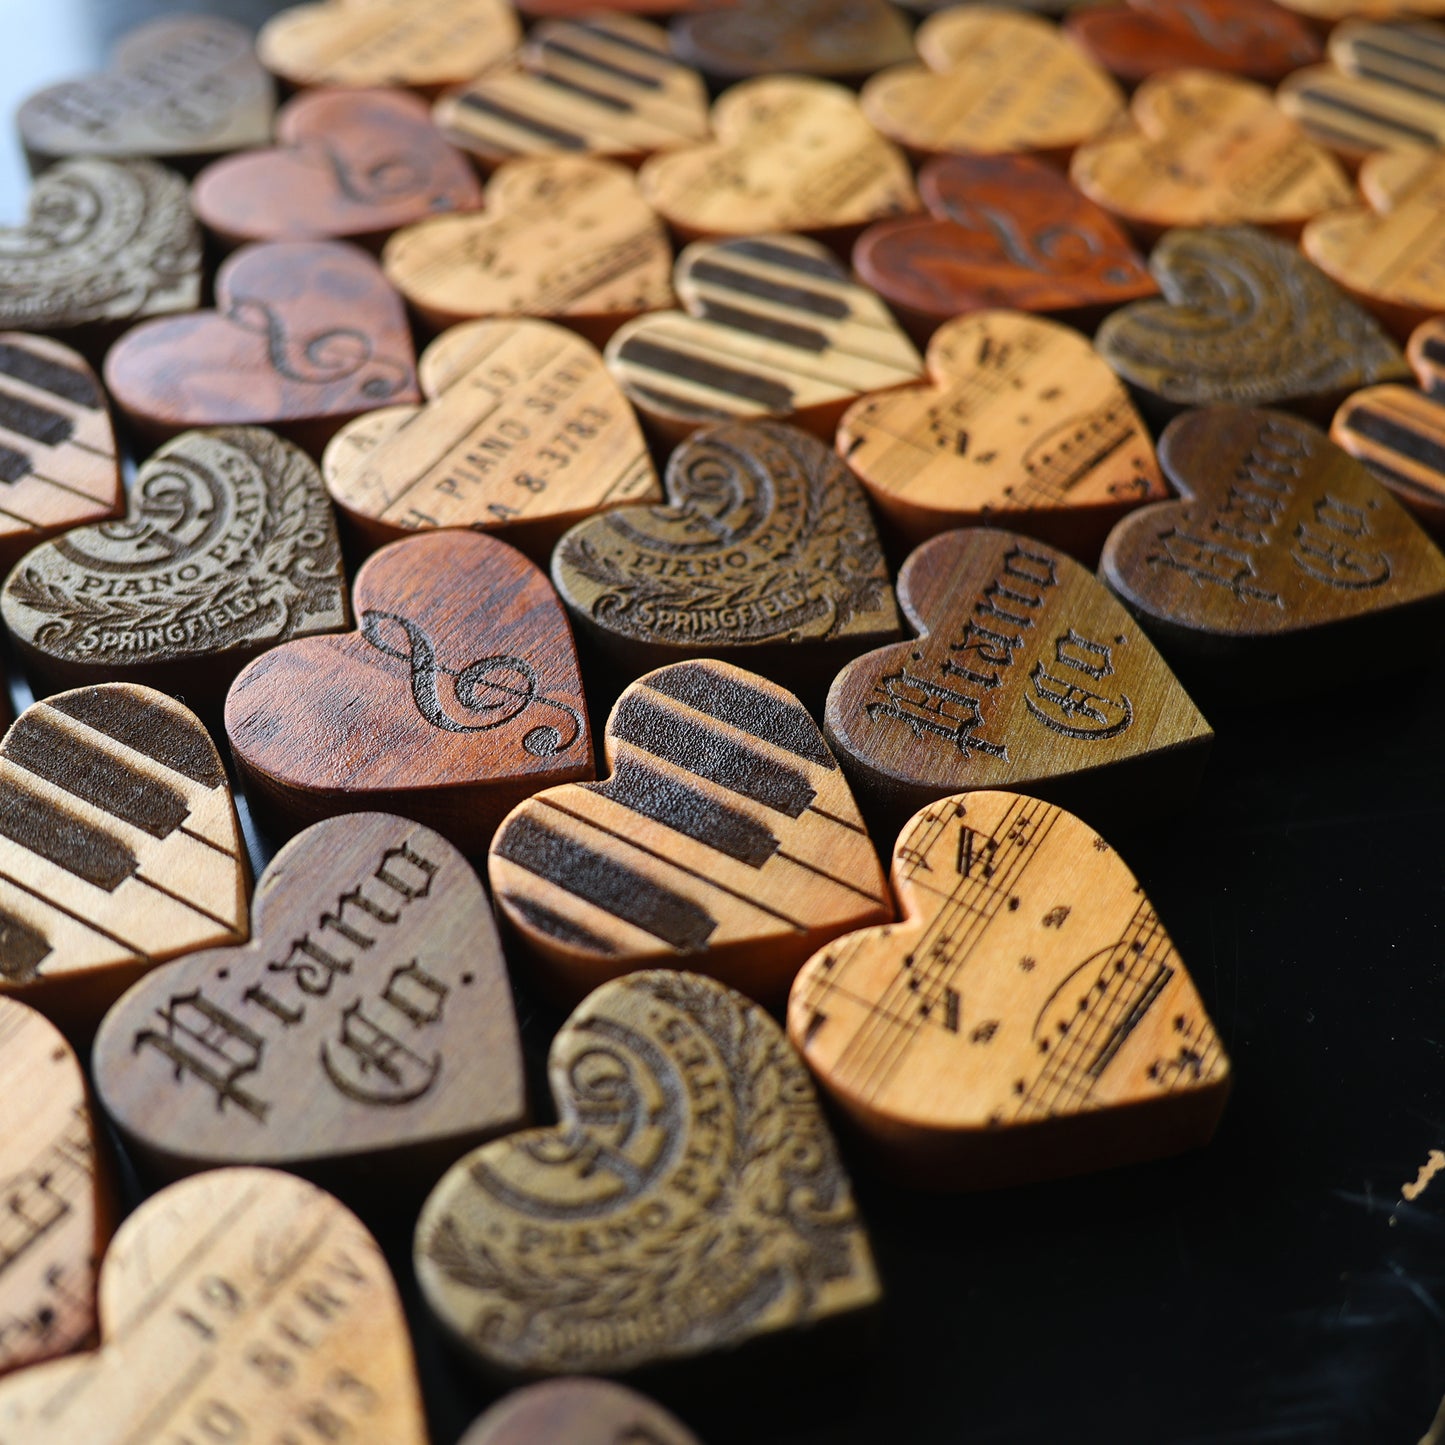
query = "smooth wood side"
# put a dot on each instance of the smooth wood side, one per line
(1399, 434)
(578, 1411)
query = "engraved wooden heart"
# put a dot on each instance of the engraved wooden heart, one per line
(1426, 352)
(564, 238)
(578, 1411)
(725, 839)
(1029, 1018)
(1354, 112)
(305, 335)
(992, 80)
(368, 1022)
(689, 1199)
(351, 165)
(792, 154)
(524, 433)
(459, 696)
(119, 847)
(1399, 434)
(242, 1304)
(1328, 12)
(1023, 426)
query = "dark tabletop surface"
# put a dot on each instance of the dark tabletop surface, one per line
(1274, 1288)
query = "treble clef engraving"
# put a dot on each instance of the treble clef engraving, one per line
(496, 689)
(323, 359)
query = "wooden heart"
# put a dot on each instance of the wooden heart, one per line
(60, 1207)
(1208, 150)
(119, 847)
(1355, 115)
(765, 555)
(305, 335)
(1408, 56)
(387, 42)
(242, 1304)
(1245, 318)
(229, 547)
(1004, 231)
(1399, 434)
(726, 836)
(1023, 425)
(564, 238)
(1427, 356)
(774, 327)
(1328, 12)
(1026, 674)
(1029, 1017)
(58, 464)
(525, 433)
(459, 697)
(367, 1024)
(587, 9)
(1284, 551)
(178, 89)
(578, 1411)
(992, 80)
(106, 243)
(606, 85)
(1257, 40)
(792, 154)
(689, 1199)
(351, 165)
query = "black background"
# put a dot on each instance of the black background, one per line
(1273, 1288)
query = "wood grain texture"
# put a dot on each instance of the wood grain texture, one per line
(1022, 425)
(351, 165)
(774, 327)
(305, 335)
(725, 839)
(1358, 106)
(367, 1024)
(1208, 150)
(387, 42)
(793, 153)
(1244, 318)
(119, 847)
(106, 243)
(228, 547)
(180, 89)
(578, 1411)
(605, 85)
(1029, 1018)
(524, 433)
(459, 697)
(242, 1301)
(1003, 231)
(564, 238)
(992, 80)
(58, 462)
(1399, 434)
(689, 1199)
(1426, 351)
(1283, 552)
(60, 1204)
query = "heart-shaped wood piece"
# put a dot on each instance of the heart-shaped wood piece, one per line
(1245, 318)
(1029, 1018)
(1023, 425)
(387, 42)
(1399, 434)
(119, 847)
(993, 80)
(689, 1199)
(1355, 115)
(459, 697)
(351, 165)
(244, 1302)
(606, 85)
(1208, 150)
(179, 89)
(564, 238)
(774, 327)
(1006, 231)
(1426, 351)
(60, 1207)
(1285, 555)
(578, 1411)
(305, 335)
(106, 243)
(367, 1026)
(229, 547)
(1026, 674)
(525, 433)
(792, 154)
(58, 463)
(1330, 12)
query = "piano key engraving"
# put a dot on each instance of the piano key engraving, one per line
(662, 1217)
(1399, 434)
(1028, 1018)
(578, 1412)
